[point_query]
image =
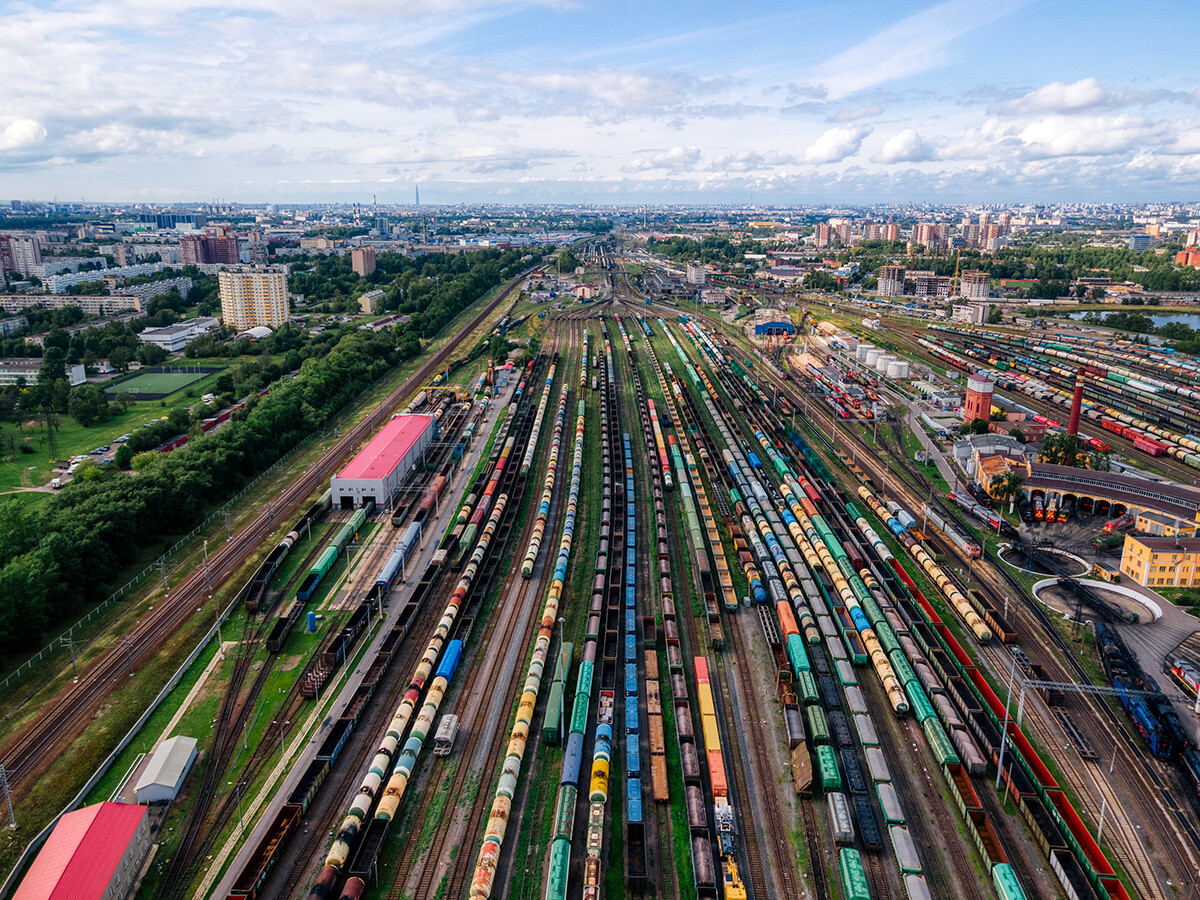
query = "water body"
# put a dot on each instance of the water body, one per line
(1159, 319)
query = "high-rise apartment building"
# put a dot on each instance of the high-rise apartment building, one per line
(975, 285)
(362, 261)
(889, 232)
(20, 253)
(891, 281)
(254, 295)
(927, 233)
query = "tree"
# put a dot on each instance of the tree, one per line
(124, 400)
(994, 316)
(566, 260)
(87, 405)
(820, 281)
(1006, 487)
(54, 367)
(976, 426)
(1098, 293)
(1017, 434)
(119, 358)
(1060, 450)
(151, 355)
(998, 415)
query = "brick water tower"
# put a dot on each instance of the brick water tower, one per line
(978, 404)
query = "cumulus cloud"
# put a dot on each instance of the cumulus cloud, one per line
(677, 159)
(749, 161)
(1078, 96)
(21, 133)
(907, 146)
(836, 144)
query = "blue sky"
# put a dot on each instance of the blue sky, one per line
(588, 101)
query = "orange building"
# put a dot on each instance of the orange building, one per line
(1188, 258)
(978, 404)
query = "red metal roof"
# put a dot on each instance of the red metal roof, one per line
(82, 853)
(384, 451)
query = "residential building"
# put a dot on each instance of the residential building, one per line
(124, 254)
(1161, 562)
(927, 284)
(92, 304)
(94, 853)
(174, 338)
(59, 284)
(253, 295)
(889, 232)
(975, 285)
(362, 261)
(891, 281)
(12, 370)
(927, 233)
(20, 253)
(369, 302)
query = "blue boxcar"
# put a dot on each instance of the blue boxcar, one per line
(633, 798)
(631, 719)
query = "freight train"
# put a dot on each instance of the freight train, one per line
(256, 591)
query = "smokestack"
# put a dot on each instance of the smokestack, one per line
(1076, 404)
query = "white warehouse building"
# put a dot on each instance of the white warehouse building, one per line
(379, 469)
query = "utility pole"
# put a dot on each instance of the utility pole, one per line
(70, 645)
(12, 818)
(129, 655)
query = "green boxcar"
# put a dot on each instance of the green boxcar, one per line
(552, 724)
(564, 812)
(324, 562)
(818, 727)
(854, 878)
(1006, 883)
(921, 706)
(901, 667)
(887, 638)
(584, 685)
(797, 654)
(560, 864)
(827, 765)
(566, 653)
(579, 714)
(943, 750)
(806, 688)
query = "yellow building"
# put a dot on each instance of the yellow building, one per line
(1161, 562)
(253, 296)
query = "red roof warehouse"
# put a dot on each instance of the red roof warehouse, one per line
(94, 853)
(378, 470)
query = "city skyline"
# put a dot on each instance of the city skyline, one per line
(127, 100)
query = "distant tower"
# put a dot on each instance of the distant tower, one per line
(1076, 404)
(978, 404)
(417, 188)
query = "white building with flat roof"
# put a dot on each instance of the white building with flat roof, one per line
(174, 338)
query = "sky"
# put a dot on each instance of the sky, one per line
(599, 101)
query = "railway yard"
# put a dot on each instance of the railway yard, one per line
(673, 613)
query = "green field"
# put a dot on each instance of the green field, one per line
(157, 382)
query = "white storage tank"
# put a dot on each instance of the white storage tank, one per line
(872, 356)
(881, 364)
(861, 353)
(897, 368)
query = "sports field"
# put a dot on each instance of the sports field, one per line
(158, 382)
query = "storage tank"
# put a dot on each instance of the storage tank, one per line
(872, 356)
(882, 363)
(861, 353)
(897, 368)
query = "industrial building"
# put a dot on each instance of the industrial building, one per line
(379, 469)
(167, 769)
(768, 329)
(1161, 561)
(174, 338)
(94, 853)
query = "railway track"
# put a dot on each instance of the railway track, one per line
(912, 486)
(68, 713)
(820, 881)
(461, 867)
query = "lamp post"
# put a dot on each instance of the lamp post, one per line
(237, 789)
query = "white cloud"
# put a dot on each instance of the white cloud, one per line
(677, 159)
(836, 144)
(21, 133)
(1054, 136)
(1059, 97)
(907, 146)
(916, 44)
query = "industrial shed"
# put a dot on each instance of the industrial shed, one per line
(94, 853)
(767, 329)
(167, 768)
(379, 469)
